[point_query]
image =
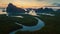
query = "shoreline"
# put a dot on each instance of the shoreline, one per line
(34, 28)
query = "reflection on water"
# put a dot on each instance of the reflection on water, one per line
(47, 14)
(1, 11)
(17, 16)
(39, 25)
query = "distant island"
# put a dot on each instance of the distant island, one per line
(15, 10)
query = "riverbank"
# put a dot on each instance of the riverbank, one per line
(7, 24)
(40, 24)
(28, 20)
(52, 25)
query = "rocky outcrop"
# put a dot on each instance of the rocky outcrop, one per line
(12, 9)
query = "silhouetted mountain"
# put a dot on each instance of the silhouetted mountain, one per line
(46, 10)
(39, 10)
(11, 9)
(57, 13)
(28, 9)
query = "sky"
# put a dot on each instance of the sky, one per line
(30, 3)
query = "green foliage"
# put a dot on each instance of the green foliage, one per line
(7, 24)
(28, 20)
(52, 25)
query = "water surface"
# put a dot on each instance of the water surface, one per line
(39, 25)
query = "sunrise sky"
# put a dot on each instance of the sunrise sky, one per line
(30, 3)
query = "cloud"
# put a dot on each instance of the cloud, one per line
(40, 0)
(31, 2)
(56, 4)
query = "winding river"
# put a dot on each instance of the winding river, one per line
(39, 25)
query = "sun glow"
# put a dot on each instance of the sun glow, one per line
(27, 4)
(30, 4)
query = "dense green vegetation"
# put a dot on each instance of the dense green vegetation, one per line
(28, 20)
(7, 24)
(52, 25)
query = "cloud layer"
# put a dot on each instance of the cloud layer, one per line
(31, 3)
